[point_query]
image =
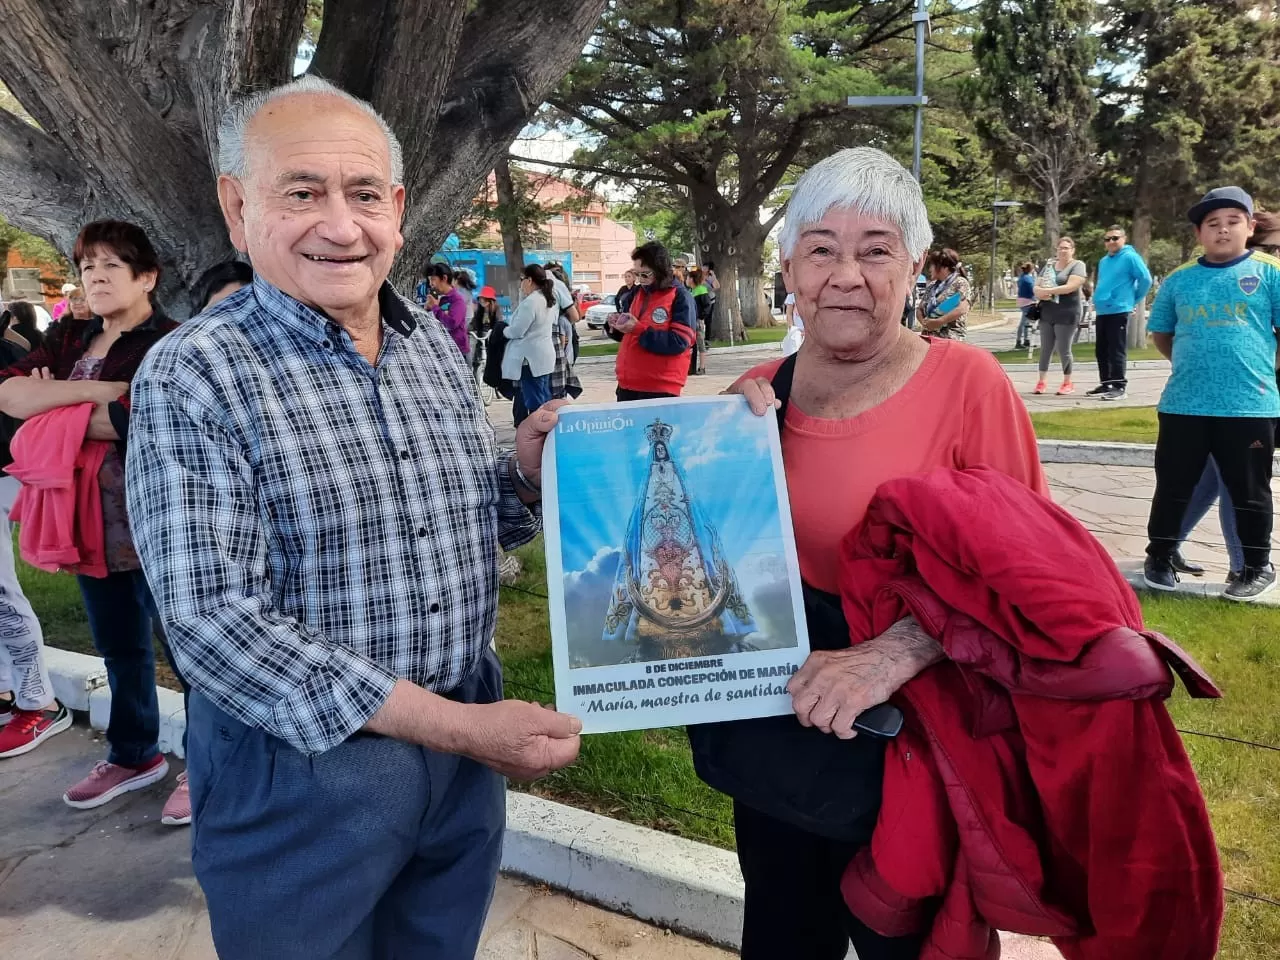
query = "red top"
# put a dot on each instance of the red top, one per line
(957, 410)
(1039, 785)
(644, 370)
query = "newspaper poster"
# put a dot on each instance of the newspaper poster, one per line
(671, 564)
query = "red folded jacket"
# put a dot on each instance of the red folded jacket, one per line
(60, 504)
(1039, 785)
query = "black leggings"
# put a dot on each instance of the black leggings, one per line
(1243, 448)
(794, 910)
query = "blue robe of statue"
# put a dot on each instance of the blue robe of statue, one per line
(675, 594)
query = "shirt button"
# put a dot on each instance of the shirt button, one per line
(435, 608)
(404, 454)
(422, 531)
(327, 345)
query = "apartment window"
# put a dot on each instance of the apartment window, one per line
(582, 220)
(586, 276)
(556, 218)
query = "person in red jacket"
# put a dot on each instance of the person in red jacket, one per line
(656, 325)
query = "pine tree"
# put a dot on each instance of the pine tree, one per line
(1035, 95)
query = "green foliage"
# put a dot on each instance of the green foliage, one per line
(527, 212)
(1189, 102)
(31, 247)
(1034, 96)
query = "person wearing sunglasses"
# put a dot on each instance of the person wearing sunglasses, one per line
(656, 326)
(1123, 282)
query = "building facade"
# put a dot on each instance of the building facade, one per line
(579, 222)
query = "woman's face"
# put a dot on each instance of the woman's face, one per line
(851, 274)
(526, 285)
(78, 305)
(643, 272)
(1066, 250)
(110, 285)
(629, 278)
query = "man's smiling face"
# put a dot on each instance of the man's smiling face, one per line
(317, 211)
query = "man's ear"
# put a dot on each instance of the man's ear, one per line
(232, 201)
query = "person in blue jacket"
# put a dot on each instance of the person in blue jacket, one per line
(1123, 282)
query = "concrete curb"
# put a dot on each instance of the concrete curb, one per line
(1105, 454)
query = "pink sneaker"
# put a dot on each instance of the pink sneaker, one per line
(177, 809)
(29, 728)
(108, 781)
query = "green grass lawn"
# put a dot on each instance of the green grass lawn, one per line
(1106, 423)
(755, 335)
(647, 777)
(1083, 352)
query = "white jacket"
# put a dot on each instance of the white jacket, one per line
(529, 338)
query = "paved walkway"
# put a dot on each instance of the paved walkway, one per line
(114, 884)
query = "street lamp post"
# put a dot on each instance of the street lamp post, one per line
(996, 204)
(922, 26)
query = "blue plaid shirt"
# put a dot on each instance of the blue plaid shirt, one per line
(313, 526)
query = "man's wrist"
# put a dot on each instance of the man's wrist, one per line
(525, 488)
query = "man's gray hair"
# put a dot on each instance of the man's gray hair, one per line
(863, 179)
(232, 152)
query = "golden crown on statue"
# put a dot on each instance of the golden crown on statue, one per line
(658, 431)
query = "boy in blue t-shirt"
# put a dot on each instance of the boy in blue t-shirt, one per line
(1216, 319)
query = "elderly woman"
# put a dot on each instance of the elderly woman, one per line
(92, 361)
(946, 299)
(863, 406)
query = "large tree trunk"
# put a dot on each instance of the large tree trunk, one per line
(128, 96)
(509, 224)
(1052, 219)
(1142, 243)
(717, 241)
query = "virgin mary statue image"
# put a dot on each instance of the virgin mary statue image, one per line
(675, 594)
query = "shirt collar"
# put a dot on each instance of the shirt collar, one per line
(317, 327)
(149, 325)
(1227, 263)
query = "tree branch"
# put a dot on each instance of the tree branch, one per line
(603, 171)
(44, 191)
(516, 52)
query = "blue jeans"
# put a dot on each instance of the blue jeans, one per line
(1212, 488)
(531, 393)
(376, 848)
(119, 608)
(1023, 336)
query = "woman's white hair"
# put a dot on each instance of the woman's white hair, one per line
(232, 150)
(863, 179)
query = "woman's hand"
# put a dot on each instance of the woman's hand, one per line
(1045, 293)
(834, 686)
(759, 394)
(41, 373)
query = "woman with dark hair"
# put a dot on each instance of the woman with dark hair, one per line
(92, 361)
(219, 282)
(655, 324)
(448, 304)
(702, 307)
(946, 299)
(530, 356)
(22, 324)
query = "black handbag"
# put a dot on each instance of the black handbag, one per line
(806, 778)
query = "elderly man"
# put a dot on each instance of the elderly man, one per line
(318, 505)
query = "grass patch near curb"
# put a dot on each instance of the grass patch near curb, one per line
(1107, 424)
(1084, 352)
(756, 336)
(647, 777)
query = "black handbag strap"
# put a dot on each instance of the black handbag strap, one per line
(782, 380)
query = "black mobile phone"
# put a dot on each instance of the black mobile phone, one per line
(882, 720)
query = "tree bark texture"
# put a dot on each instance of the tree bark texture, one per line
(509, 225)
(1142, 219)
(128, 96)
